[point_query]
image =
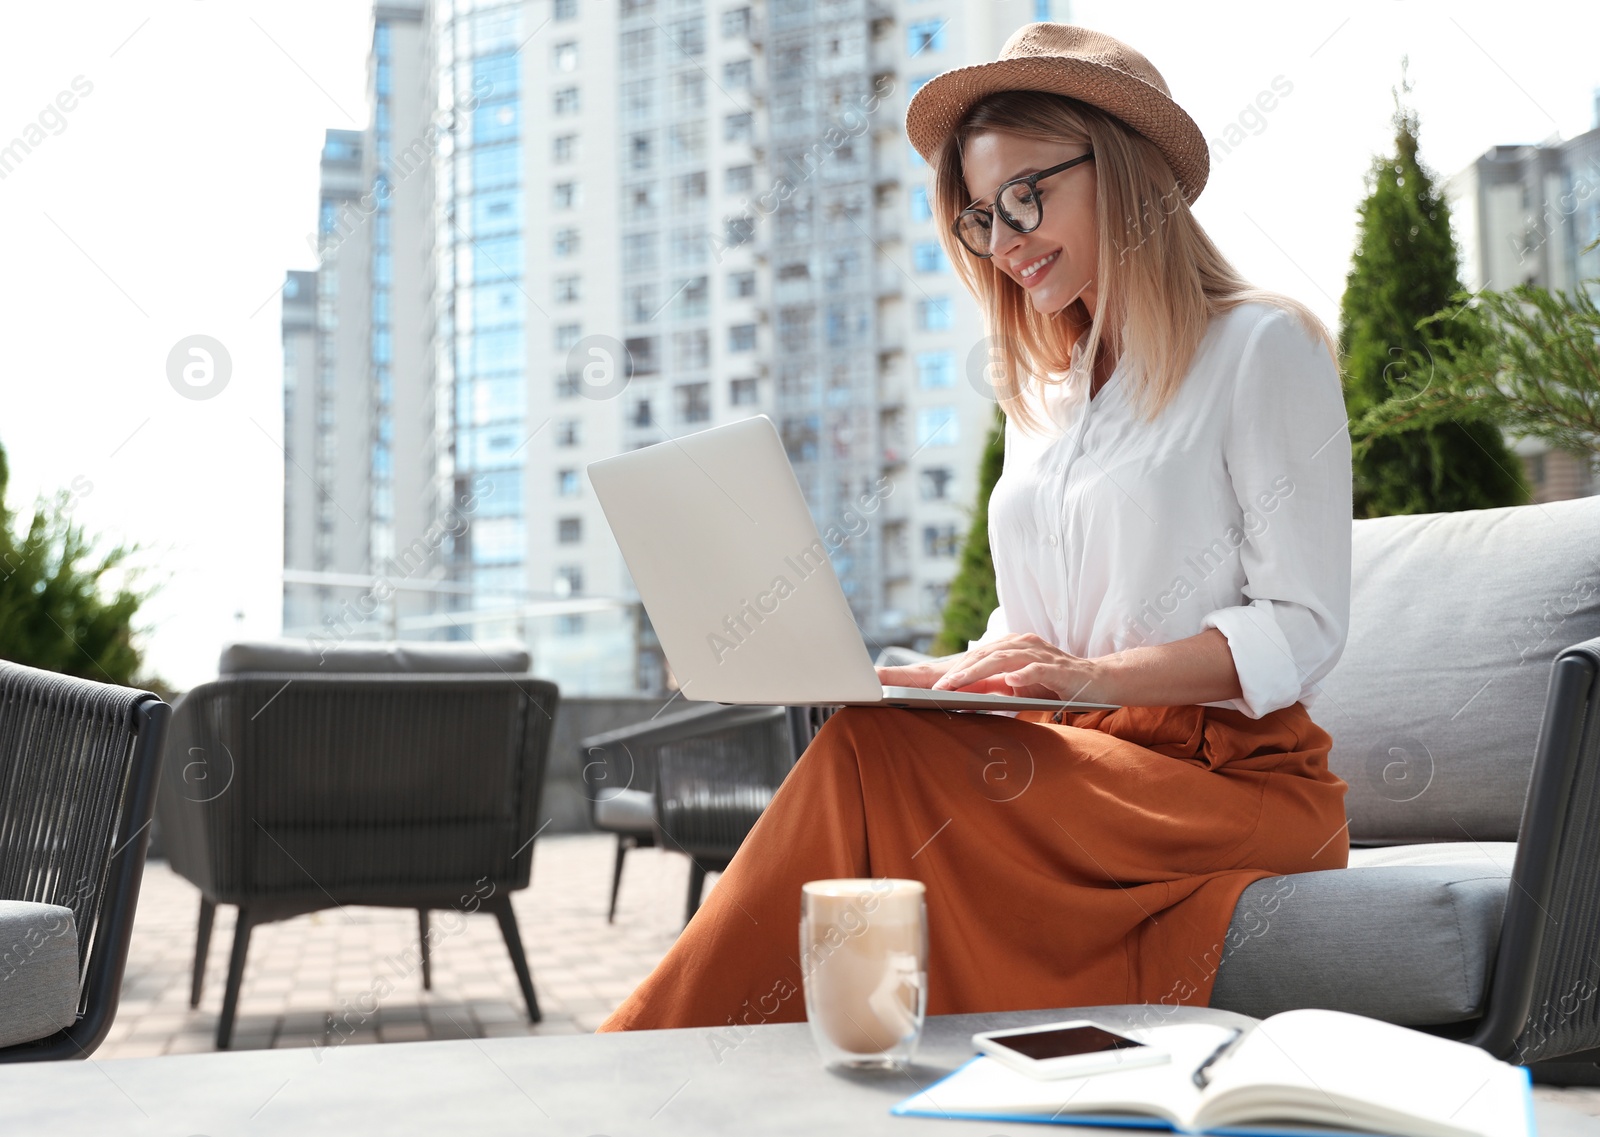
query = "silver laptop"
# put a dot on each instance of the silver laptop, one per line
(737, 580)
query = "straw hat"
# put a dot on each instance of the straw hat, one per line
(1080, 63)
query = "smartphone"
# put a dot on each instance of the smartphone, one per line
(1067, 1049)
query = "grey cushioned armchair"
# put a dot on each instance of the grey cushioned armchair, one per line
(398, 776)
(1465, 717)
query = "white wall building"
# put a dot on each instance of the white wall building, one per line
(640, 219)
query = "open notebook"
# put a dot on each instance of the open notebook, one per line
(1300, 1072)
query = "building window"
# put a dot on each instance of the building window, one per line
(641, 413)
(568, 289)
(936, 483)
(567, 483)
(741, 285)
(735, 23)
(928, 256)
(639, 252)
(567, 195)
(688, 92)
(569, 580)
(694, 297)
(738, 127)
(567, 336)
(938, 540)
(1536, 469)
(642, 203)
(743, 392)
(566, 242)
(688, 189)
(566, 56)
(937, 426)
(639, 97)
(642, 303)
(639, 147)
(689, 35)
(936, 369)
(920, 210)
(694, 402)
(687, 141)
(644, 355)
(567, 101)
(688, 246)
(934, 315)
(568, 384)
(566, 10)
(691, 351)
(925, 35)
(737, 230)
(567, 432)
(742, 337)
(569, 530)
(564, 147)
(736, 74)
(738, 179)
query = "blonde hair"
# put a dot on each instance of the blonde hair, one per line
(1160, 278)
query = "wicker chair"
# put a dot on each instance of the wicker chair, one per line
(289, 792)
(711, 770)
(78, 765)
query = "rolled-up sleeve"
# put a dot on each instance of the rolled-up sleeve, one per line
(1287, 450)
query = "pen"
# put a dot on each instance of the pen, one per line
(1201, 1078)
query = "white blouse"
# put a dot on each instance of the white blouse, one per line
(1232, 511)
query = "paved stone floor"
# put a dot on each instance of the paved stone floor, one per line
(311, 981)
(336, 965)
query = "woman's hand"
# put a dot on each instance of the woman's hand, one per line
(1024, 665)
(924, 674)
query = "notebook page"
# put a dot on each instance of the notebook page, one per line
(1349, 1068)
(988, 1087)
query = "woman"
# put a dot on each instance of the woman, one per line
(1171, 534)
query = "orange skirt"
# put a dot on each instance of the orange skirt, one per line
(1095, 861)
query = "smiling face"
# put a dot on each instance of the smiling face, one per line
(1056, 263)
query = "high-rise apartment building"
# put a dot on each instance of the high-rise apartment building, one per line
(1522, 215)
(638, 218)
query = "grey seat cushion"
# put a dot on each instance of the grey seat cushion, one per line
(369, 657)
(626, 811)
(38, 970)
(1405, 934)
(1435, 705)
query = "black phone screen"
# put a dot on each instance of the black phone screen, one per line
(1064, 1042)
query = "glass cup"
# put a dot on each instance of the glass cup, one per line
(864, 964)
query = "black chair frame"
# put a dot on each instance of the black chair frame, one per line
(131, 725)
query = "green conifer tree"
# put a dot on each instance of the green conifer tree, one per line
(1405, 271)
(972, 593)
(57, 609)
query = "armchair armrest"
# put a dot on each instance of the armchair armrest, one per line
(1541, 1002)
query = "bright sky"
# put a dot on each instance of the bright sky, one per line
(182, 186)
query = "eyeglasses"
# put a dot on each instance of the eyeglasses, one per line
(1017, 203)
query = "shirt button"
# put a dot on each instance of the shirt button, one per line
(1052, 538)
(1055, 614)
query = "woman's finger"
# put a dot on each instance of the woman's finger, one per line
(990, 664)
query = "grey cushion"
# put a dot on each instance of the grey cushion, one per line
(626, 811)
(1405, 934)
(366, 656)
(1455, 618)
(38, 970)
